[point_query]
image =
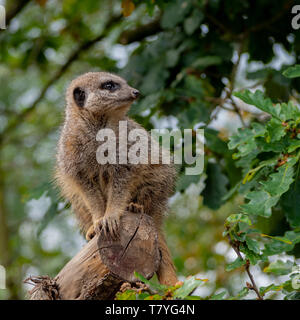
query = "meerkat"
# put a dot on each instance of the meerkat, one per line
(101, 194)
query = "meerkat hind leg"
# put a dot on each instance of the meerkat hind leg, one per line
(166, 272)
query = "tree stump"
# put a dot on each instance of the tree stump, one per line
(103, 264)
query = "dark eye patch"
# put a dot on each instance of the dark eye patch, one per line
(79, 96)
(110, 86)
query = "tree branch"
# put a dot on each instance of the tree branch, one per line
(57, 75)
(252, 286)
(232, 81)
(125, 38)
(217, 23)
(16, 8)
(265, 24)
(287, 6)
(229, 89)
(103, 264)
(140, 32)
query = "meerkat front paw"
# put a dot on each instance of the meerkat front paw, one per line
(90, 233)
(109, 224)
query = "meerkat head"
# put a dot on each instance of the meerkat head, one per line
(100, 92)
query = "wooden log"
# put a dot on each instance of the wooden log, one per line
(103, 264)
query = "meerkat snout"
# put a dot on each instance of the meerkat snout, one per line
(135, 93)
(100, 92)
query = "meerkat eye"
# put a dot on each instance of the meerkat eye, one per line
(79, 97)
(110, 86)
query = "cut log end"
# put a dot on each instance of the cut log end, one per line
(135, 250)
(103, 264)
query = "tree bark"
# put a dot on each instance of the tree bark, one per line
(104, 264)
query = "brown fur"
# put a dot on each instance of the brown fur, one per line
(100, 194)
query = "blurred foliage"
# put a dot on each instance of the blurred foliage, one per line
(187, 57)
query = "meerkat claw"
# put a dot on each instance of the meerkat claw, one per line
(110, 225)
(98, 225)
(90, 233)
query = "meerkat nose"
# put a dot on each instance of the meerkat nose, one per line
(135, 93)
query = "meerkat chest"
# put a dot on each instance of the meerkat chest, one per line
(77, 153)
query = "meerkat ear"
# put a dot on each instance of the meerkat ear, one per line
(79, 96)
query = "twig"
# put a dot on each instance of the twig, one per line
(252, 286)
(232, 81)
(140, 32)
(254, 28)
(238, 112)
(58, 74)
(269, 22)
(254, 85)
(16, 8)
(217, 23)
(220, 101)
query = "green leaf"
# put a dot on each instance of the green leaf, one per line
(142, 296)
(50, 214)
(153, 286)
(154, 297)
(271, 287)
(149, 102)
(294, 144)
(279, 267)
(264, 146)
(185, 180)
(215, 188)
(260, 203)
(193, 22)
(189, 285)
(275, 130)
(172, 57)
(193, 298)
(250, 255)
(281, 180)
(235, 264)
(258, 100)
(253, 245)
(251, 173)
(194, 86)
(290, 203)
(126, 295)
(206, 61)
(292, 72)
(244, 139)
(289, 111)
(235, 218)
(295, 295)
(241, 294)
(174, 12)
(219, 296)
(213, 142)
(282, 244)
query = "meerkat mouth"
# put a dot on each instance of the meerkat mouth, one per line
(129, 100)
